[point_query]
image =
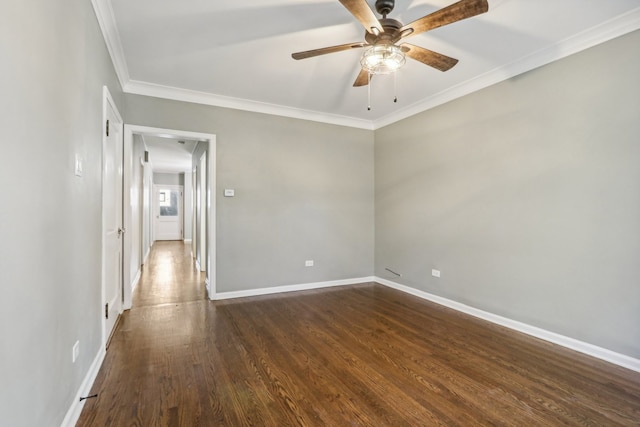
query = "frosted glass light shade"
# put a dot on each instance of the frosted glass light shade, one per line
(382, 59)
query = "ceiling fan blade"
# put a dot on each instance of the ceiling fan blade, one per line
(447, 15)
(363, 13)
(362, 79)
(325, 50)
(433, 59)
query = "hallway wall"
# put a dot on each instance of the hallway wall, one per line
(136, 228)
(147, 223)
(304, 191)
(54, 65)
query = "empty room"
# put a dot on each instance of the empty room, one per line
(327, 213)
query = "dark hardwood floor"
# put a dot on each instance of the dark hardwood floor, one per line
(362, 355)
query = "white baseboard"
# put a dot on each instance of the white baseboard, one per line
(74, 411)
(290, 288)
(186, 240)
(136, 280)
(198, 265)
(564, 341)
(207, 285)
(73, 414)
(146, 256)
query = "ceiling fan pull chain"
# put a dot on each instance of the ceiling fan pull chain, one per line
(395, 87)
(368, 91)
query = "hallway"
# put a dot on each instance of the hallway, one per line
(147, 362)
(169, 276)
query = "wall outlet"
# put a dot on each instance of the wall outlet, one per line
(435, 273)
(75, 352)
(229, 192)
(308, 263)
(78, 169)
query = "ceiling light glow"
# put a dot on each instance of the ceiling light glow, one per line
(382, 59)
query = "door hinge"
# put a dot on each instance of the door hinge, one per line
(106, 311)
(107, 127)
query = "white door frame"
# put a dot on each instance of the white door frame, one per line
(210, 139)
(108, 102)
(141, 210)
(194, 238)
(202, 208)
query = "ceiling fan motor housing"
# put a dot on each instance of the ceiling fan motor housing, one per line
(384, 7)
(391, 28)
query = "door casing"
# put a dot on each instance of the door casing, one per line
(210, 140)
(112, 220)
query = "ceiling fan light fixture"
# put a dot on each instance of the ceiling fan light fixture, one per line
(382, 59)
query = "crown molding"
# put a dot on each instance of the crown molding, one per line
(604, 32)
(198, 97)
(107, 22)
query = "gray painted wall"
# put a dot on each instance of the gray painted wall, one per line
(526, 196)
(54, 64)
(136, 230)
(304, 190)
(147, 220)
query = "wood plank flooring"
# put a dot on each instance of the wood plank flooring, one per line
(362, 355)
(169, 276)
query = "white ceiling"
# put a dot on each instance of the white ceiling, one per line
(238, 53)
(169, 154)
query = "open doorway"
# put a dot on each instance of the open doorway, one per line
(136, 207)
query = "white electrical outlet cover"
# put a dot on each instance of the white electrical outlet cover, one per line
(435, 273)
(78, 170)
(75, 352)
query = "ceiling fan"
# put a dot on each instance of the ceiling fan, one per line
(383, 55)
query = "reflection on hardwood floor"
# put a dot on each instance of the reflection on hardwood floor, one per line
(361, 355)
(169, 276)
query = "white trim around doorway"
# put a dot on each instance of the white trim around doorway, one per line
(210, 139)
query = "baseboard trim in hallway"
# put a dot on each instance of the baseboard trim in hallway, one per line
(134, 282)
(73, 414)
